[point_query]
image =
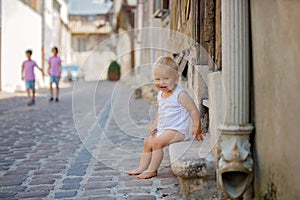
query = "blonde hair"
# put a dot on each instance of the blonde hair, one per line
(166, 61)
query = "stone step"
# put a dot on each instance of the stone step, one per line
(205, 103)
(192, 162)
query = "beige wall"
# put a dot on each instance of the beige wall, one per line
(87, 42)
(94, 63)
(95, 56)
(276, 66)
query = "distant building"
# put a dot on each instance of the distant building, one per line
(90, 24)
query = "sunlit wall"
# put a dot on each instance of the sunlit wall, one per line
(21, 30)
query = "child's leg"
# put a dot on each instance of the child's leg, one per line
(33, 91)
(166, 138)
(33, 95)
(51, 91)
(57, 90)
(145, 158)
(28, 95)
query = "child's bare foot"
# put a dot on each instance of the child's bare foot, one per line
(147, 174)
(135, 172)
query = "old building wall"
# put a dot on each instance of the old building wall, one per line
(56, 31)
(199, 20)
(276, 61)
(87, 42)
(93, 53)
(21, 30)
(197, 25)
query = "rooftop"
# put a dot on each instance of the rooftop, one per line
(89, 7)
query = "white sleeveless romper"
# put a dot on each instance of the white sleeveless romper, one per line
(171, 114)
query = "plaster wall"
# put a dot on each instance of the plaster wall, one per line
(94, 63)
(21, 30)
(276, 61)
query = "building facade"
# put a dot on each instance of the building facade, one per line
(90, 25)
(240, 64)
(36, 25)
(56, 31)
(123, 23)
(21, 30)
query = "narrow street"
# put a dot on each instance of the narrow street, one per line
(51, 151)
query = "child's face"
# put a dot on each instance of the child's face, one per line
(54, 52)
(28, 55)
(165, 78)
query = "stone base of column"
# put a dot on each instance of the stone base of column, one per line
(235, 165)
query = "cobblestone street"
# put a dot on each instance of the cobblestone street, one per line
(79, 148)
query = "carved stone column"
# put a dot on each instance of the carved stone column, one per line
(235, 164)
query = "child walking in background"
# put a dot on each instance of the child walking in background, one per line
(54, 71)
(175, 109)
(28, 75)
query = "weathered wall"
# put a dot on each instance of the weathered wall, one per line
(123, 49)
(89, 41)
(96, 58)
(94, 63)
(276, 72)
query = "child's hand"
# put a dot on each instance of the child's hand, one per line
(153, 129)
(198, 134)
(22, 78)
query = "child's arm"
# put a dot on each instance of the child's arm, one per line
(153, 129)
(22, 72)
(60, 68)
(40, 69)
(188, 103)
(49, 66)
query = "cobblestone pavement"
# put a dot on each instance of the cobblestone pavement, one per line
(49, 151)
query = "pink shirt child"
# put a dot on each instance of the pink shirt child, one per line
(28, 67)
(54, 64)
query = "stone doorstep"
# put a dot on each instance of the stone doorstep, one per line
(194, 165)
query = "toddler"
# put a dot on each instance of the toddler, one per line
(172, 121)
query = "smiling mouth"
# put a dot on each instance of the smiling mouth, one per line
(163, 87)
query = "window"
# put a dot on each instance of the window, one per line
(157, 5)
(91, 18)
(56, 6)
(161, 8)
(161, 4)
(79, 43)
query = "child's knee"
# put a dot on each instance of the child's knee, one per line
(157, 144)
(147, 142)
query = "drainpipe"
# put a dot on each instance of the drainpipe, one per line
(43, 37)
(0, 54)
(235, 163)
